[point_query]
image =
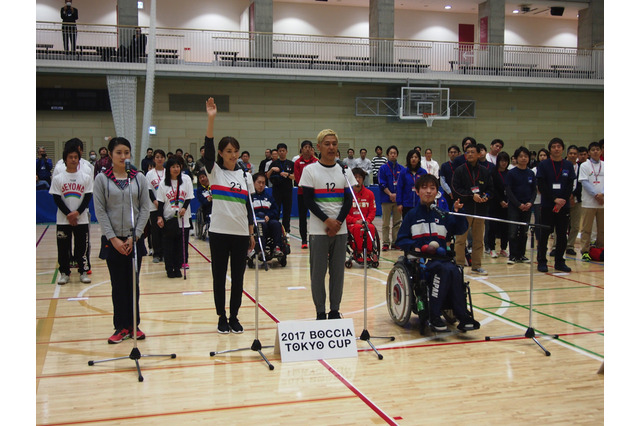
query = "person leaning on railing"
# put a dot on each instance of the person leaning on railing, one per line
(69, 16)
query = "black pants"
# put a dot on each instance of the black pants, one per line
(447, 289)
(558, 222)
(80, 234)
(284, 200)
(174, 243)
(155, 235)
(303, 210)
(69, 34)
(225, 247)
(122, 283)
(518, 233)
(495, 229)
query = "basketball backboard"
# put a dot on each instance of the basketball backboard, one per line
(415, 102)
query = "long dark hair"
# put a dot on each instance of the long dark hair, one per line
(411, 154)
(118, 141)
(167, 175)
(227, 140)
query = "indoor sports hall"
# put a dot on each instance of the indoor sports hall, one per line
(408, 73)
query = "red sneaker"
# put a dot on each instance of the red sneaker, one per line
(139, 335)
(119, 336)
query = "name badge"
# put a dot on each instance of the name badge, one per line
(556, 186)
(475, 189)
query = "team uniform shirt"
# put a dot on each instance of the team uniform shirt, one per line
(422, 226)
(264, 205)
(406, 195)
(432, 167)
(367, 202)
(555, 180)
(298, 167)
(72, 187)
(591, 176)
(230, 191)
(155, 178)
(388, 175)
(329, 186)
(174, 201)
(521, 186)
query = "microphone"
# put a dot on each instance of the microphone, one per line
(438, 210)
(342, 165)
(127, 165)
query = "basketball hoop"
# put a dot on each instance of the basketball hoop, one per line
(429, 117)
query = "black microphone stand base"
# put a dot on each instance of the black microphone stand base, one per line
(256, 347)
(529, 334)
(135, 355)
(364, 336)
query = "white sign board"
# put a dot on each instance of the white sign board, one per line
(313, 340)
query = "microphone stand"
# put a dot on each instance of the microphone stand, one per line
(530, 333)
(256, 346)
(365, 333)
(135, 354)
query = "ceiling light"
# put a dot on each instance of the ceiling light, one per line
(447, 7)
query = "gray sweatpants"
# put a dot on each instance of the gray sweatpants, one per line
(327, 251)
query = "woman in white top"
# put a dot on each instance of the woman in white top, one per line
(155, 176)
(231, 229)
(174, 196)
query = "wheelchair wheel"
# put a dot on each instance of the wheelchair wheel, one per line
(283, 261)
(400, 297)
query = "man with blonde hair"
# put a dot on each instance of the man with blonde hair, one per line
(325, 188)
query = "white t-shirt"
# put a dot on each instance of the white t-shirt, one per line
(329, 185)
(431, 167)
(173, 201)
(594, 173)
(72, 187)
(155, 178)
(230, 191)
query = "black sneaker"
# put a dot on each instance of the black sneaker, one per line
(562, 267)
(468, 324)
(177, 273)
(334, 315)
(235, 326)
(223, 325)
(542, 267)
(321, 316)
(437, 324)
(572, 252)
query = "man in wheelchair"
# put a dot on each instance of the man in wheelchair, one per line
(423, 234)
(264, 206)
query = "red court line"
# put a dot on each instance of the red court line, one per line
(42, 236)
(353, 389)
(576, 281)
(209, 410)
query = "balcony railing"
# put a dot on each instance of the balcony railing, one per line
(208, 48)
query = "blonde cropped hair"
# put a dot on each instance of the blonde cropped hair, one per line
(324, 133)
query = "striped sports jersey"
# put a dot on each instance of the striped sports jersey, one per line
(329, 185)
(229, 194)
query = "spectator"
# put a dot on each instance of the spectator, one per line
(280, 173)
(543, 154)
(264, 207)
(406, 195)
(521, 189)
(69, 16)
(244, 163)
(72, 192)
(446, 173)
(350, 161)
(329, 200)
(498, 208)
(592, 180)
(364, 164)
(377, 161)
(147, 162)
(103, 163)
(155, 177)
(307, 157)
(472, 184)
(174, 196)
(429, 164)
(44, 166)
(93, 157)
(263, 163)
(575, 206)
(494, 149)
(388, 176)
(555, 181)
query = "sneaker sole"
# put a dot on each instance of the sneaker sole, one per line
(223, 332)
(237, 332)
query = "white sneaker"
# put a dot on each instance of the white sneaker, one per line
(63, 279)
(479, 271)
(493, 253)
(504, 253)
(84, 278)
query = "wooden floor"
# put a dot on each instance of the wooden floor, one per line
(454, 378)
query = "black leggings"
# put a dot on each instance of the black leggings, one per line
(223, 247)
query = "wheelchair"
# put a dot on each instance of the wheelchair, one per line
(409, 287)
(202, 223)
(373, 257)
(269, 248)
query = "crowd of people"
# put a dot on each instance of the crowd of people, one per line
(562, 187)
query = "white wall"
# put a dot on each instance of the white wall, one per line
(317, 20)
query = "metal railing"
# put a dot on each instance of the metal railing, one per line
(106, 43)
